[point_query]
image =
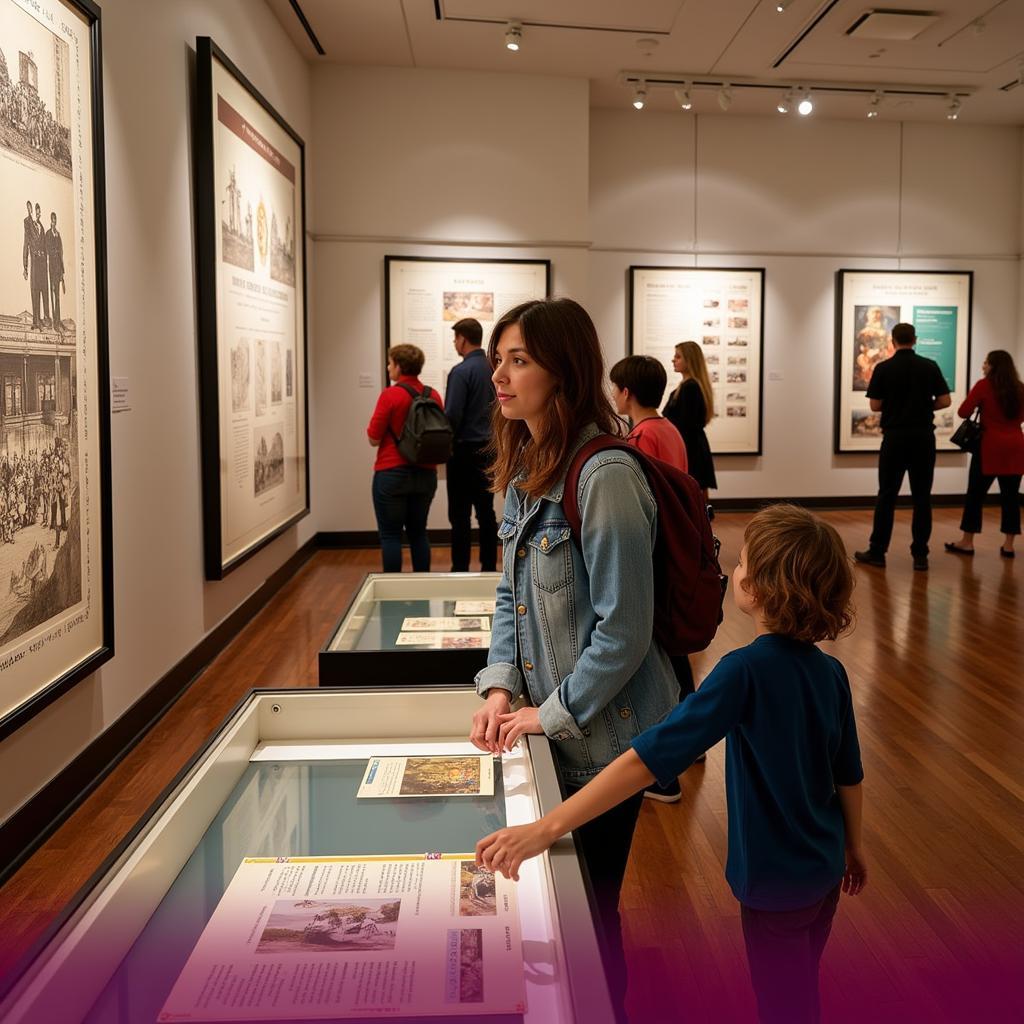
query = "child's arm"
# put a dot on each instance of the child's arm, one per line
(851, 800)
(506, 849)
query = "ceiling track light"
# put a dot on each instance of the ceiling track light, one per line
(725, 96)
(683, 97)
(785, 104)
(513, 35)
(953, 113)
(781, 5)
(806, 104)
(640, 94)
(875, 104)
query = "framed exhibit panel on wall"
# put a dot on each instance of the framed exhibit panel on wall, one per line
(721, 309)
(250, 233)
(424, 296)
(869, 303)
(56, 612)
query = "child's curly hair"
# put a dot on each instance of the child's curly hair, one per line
(798, 572)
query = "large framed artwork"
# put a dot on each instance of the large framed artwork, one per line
(869, 303)
(425, 296)
(721, 309)
(251, 229)
(56, 603)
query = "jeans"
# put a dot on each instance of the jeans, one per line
(401, 497)
(469, 489)
(913, 454)
(604, 848)
(977, 487)
(784, 950)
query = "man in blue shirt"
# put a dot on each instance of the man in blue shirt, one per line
(467, 403)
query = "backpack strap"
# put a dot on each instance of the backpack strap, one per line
(570, 496)
(413, 394)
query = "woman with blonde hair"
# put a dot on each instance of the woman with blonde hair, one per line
(690, 408)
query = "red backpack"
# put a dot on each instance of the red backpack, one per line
(689, 586)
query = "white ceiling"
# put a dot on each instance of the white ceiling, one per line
(975, 47)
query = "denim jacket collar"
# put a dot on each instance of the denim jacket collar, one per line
(557, 489)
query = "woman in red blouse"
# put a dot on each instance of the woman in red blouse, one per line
(402, 492)
(1000, 397)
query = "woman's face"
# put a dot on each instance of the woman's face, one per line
(986, 368)
(522, 385)
(677, 363)
(393, 370)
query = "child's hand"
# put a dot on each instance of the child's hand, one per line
(507, 848)
(856, 874)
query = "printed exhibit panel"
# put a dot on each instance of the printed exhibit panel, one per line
(53, 430)
(868, 305)
(721, 310)
(260, 318)
(426, 297)
(334, 938)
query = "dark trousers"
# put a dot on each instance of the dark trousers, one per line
(55, 303)
(402, 497)
(604, 846)
(784, 950)
(469, 489)
(914, 455)
(977, 487)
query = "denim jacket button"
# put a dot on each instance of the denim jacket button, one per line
(528, 665)
(543, 543)
(586, 732)
(521, 609)
(625, 713)
(521, 553)
(564, 736)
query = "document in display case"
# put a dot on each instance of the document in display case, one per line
(412, 628)
(262, 887)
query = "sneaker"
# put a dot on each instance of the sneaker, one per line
(869, 557)
(669, 794)
(921, 563)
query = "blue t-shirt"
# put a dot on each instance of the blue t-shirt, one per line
(787, 714)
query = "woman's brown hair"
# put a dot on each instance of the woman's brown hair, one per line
(799, 574)
(693, 363)
(561, 337)
(1006, 383)
(408, 358)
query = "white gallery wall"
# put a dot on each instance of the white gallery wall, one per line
(163, 607)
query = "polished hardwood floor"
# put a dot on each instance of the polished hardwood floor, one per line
(936, 662)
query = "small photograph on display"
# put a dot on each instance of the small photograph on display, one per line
(474, 608)
(458, 305)
(433, 776)
(736, 377)
(260, 377)
(872, 340)
(236, 238)
(470, 943)
(739, 305)
(738, 343)
(713, 376)
(944, 420)
(448, 623)
(866, 423)
(711, 303)
(736, 361)
(282, 248)
(736, 411)
(325, 926)
(455, 642)
(268, 458)
(736, 396)
(240, 377)
(276, 381)
(288, 372)
(712, 359)
(477, 890)
(738, 323)
(712, 321)
(711, 339)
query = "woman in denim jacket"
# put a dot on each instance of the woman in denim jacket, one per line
(572, 629)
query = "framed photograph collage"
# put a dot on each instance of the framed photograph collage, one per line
(424, 297)
(56, 610)
(721, 309)
(250, 191)
(868, 305)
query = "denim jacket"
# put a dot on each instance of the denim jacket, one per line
(577, 624)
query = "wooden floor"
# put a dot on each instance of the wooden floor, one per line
(937, 667)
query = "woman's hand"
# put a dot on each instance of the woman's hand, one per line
(518, 723)
(503, 851)
(484, 732)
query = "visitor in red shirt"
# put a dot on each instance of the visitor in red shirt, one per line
(402, 492)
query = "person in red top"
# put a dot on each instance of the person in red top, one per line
(402, 492)
(638, 386)
(1000, 397)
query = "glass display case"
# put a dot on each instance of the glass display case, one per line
(411, 629)
(279, 781)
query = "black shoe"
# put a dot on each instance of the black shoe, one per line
(869, 557)
(669, 794)
(955, 549)
(920, 562)
(1007, 554)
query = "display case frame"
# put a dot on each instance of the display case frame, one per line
(341, 663)
(70, 967)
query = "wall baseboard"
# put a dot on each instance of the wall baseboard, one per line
(854, 501)
(37, 819)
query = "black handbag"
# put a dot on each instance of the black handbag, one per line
(967, 437)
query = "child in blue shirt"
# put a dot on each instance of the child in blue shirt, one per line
(793, 769)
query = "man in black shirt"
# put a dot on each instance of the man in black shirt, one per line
(468, 399)
(906, 389)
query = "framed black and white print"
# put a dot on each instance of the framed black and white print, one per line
(250, 194)
(425, 296)
(869, 303)
(722, 310)
(56, 603)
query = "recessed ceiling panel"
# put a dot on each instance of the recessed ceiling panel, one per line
(625, 15)
(879, 24)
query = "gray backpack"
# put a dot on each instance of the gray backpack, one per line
(427, 436)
